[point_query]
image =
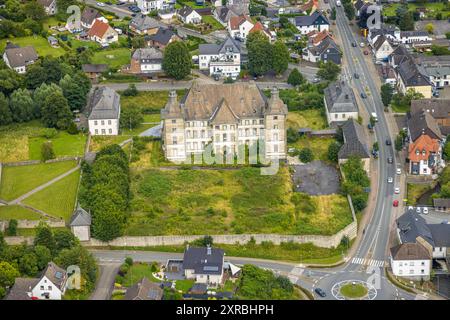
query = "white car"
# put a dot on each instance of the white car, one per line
(399, 171)
(397, 190)
(100, 4)
(390, 180)
(418, 210)
(425, 210)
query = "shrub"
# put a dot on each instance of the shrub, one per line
(123, 270)
(12, 228)
(72, 128)
(129, 261)
(131, 91)
(47, 152)
(49, 133)
(306, 155)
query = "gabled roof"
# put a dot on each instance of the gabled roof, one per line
(411, 226)
(95, 68)
(326, 44)
(380, 41)
(105, 104)
(147, 55)
(410, 251)
(340, 97)
(309, 5)
(438, 108)
(55, 274)
(143, 22)
(80, 217)
(423, 123)
(19, 57)
(422, 148)
(235, 22)
(229, 45)
(223, 114)
(301, 21)
(318, 37)
(99, 29)
(441, 234)
(144, 290)
(359, 4)
(185, 11)
(163, 36)
(410, 74)
(355, 141)
(203, 260)
(21, 290)
(441, 202)
(89, 15)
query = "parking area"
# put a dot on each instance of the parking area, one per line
(316, 178)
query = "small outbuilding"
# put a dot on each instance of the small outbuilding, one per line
(80, 224)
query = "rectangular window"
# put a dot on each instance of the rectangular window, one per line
(275, 117)
(275, 148)
(110, 131)
(103, 123)
(96, 131)
(174, 140)
(109, 121)
(95, 122)
(174, 121)
(103, 131)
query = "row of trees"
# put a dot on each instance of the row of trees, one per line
(59, 246)
(105, 190)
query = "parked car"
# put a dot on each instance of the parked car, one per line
(390, 180)
(399, 171)
(388, 142)
(320, 292)
(395, 203)
(363, 95)
(315, 80)
(418, 210)
(354, 44)
(100, 4)
(425, 210)
(390, 160)
(369, 126)
(362, 45)
(356, 76)
(397, 190)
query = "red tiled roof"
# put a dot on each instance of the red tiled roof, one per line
(321, 36)
(424, 145)
(98, 29)
(235, 22)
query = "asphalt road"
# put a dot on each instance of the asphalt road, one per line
(105, 283)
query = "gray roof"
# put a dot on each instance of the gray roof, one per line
(185, 11)
(355, 141)
(80, 218)
(143, 22)
(310, 20)
(203, 260)
(340, 98)
(441, 234)
(163, 36)
(325, 44)
(21, 56)
(411, 75)
(229, 45)
(55, 274)
(148, 55)
(380, 41)
(21, 288)
(438, 108)
(405, 34)
(440, 202)
(359, 4)
(89, 15)
(105, 104)
(144, 290)
(95, 68)
(45, 3)
(411, 225)
(199, 288)
(423, 123)
(410, 251)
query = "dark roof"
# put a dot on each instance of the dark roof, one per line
(143, 22)
(438, 108)
(22, 288)
(340, 98)
(411, 225)
(441, 234)
(80, 217)
(325, 45)
(55, 274)
(19, 57)
(203, 260)
(89, 15)
(95, 68)
(410, 74)
(406, 34)
(105, 104)
(163, 36)
(229, 45)
(440, 202)
(185, 11)
(423, 123)
(355, 141)
(410, 251)
(399, 55)
(311, 19)
(359, 4)
(148, 55)
(144, 290)
(380, 41)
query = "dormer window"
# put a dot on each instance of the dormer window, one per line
(424, 152)
(417, 152)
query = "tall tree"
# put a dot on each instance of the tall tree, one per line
(55, 112)
(75, 95)
(328, 70)
(280, 57)
(42, 92)
(10, 80)
(295, 78)
(44, 237)
(35, 76)
(43, 256)
(5, 113)
(21, 105)
(177, 60)
(34, 11)
(259, 53)
(387, 92)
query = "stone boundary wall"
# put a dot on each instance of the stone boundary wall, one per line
(29, 162)
(30, 224)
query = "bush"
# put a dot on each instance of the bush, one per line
(12, 228)
(129, 261)
(123, 270)
(306, 155)
(72, 128)
(131, 91)
(47, 152)
(49, 133)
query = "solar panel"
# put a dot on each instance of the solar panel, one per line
(211, 268)
(152, 294)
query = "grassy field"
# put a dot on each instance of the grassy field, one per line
(31, 232)
(226, 202)
(433, 8)
(115, 58)
(136, 272)
(307, 119)
(353, 291)
(155, 117)
(18, 213)
(19, 180)
(64, 144)
(414, 191)
(57, 199)
(39, 43)
(399, 108)
(213, 22)
(98, 142)
(148, 101)
(319, 146)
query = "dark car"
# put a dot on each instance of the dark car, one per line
(388, 142)
(320, 292)
(120, 3)
(370, 126)
(390, 160)
(108, 3)
(356, 76)
(354, 44)
(363, 95)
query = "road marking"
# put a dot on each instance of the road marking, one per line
(369, 262)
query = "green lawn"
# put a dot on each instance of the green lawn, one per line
(319, 146)
(148, 101)
(57, 199)
(39, 43)
(228, 201)
(312, 118)
(155, 117)
(115, 58)
(184, 285)
(353, 291)
(399, 108)
(18, 213)
(64, 145)
(136, 273)
(52, 21)
(192, 4)
(19, 180)
(433, 8)
(31, 232)
(213, 22)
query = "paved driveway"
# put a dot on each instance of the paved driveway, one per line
(105, 283)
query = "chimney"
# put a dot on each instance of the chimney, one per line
(172, 96)
(274, 92)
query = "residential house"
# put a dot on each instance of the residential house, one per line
(80, 224)
(397, 56)
(204, 265)
(355, 144)
(439, 109)
(167, 15)
(410, 77)
(340, 103)
(239, 27)
(227, 116)
(94, 71)
(309, 7)
(411, 260)
(441, 204)
(148, 6)
(161, 38)
(19, 58)
(144, 290)
(146, 60)
(382, 48)
(437, 68)
(411, 37)
(315, 37)
(394, 34)
(259, 27)
(49, 6)
(326, 51)
(411, 228)
(103, 33)
(424, 155)
(422, 123)
(105, 112)
(221, 59)
(189, 15)
(316, 21)
(143, 24)
(50, 286)
(89, 16)
(232, 8)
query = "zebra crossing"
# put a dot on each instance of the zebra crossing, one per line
(368, 262)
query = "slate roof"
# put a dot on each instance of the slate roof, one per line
(229, 45)
(147, 55)
(89, 15)
(410, 74)
(340, 97)
(359, 4)
(355, 141)
(380, 41)
(441, 202)
(144, 290)
(185, 11)
(163, 36)
(325, 45)
(438, 108)
(143, 22)
(80, 217)
(411, 225)
(309, 20)
(441, 234)
(423, 122)
(203, 260)
(105, 104)
(407, 34)
(410, 251)
(55, 274)
(21, 288)
(399, 55)
(95, 68)
(21, 56)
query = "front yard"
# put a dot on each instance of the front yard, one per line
(312, 118)
(114, 58)
(432, 7)
(40, 44)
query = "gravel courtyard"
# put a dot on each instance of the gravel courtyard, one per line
(316, 178)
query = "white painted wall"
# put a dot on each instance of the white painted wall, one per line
(108, 127)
